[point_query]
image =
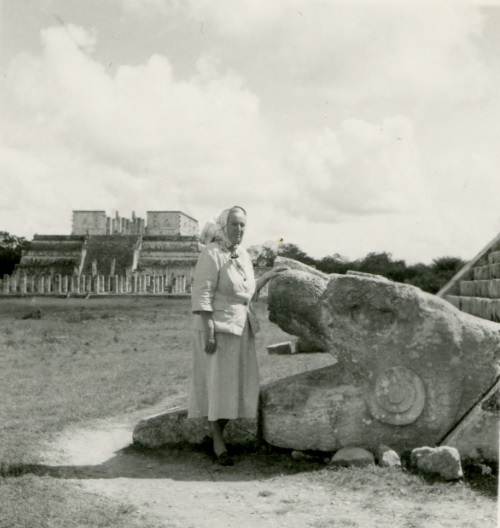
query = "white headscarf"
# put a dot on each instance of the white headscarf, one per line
(216, 230)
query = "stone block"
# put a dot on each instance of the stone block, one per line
(481, 272)
(494, 257)
(173, 427)
(483, 289)
(468, 288)
(466, 304)
(387, 457)
(281, 348)
(443, 461)
(494, 271)
(352, 456)
(455, 300)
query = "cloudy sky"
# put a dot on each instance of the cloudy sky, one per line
(341, 126)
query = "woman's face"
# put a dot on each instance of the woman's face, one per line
(235, 228)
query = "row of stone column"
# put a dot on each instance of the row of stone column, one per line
(61, 284)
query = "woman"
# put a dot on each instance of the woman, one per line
(225, 380)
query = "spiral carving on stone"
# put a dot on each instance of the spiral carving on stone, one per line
(398, 396)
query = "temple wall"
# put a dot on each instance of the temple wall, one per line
(89, 222)
(170, 223)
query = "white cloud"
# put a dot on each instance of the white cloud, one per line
(152, 8)
(359, 52)
(362, 168)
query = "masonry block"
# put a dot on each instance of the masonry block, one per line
(494, 257)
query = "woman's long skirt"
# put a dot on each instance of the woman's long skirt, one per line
(224, 384)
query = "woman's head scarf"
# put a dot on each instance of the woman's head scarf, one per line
(216, 229)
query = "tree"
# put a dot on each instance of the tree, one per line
(334, 264)
(11, 250)
(382, 264)
(264, 255)
(431, 278)
(294, 252)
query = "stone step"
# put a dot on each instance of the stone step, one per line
(490, 271)
(481, 288)
(494, 257)
(480, 307)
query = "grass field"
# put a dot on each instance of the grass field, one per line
(71, 361)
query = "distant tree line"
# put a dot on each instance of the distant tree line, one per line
(429, 277)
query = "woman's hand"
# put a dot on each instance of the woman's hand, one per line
(272, 274)
(269, 275)
(211, 344)
(276, 271)
(209, 331)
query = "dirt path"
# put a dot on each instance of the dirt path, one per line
(184, 488)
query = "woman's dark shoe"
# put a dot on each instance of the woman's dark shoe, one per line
(224, 459)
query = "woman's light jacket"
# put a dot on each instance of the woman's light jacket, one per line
(225, 286)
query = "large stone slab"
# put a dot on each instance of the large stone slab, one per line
(173, 427)
(409, 365)
(352, 456)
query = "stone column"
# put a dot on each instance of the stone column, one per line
(32, 284)
(65, 284)
(24, 284)
(127, 284)
(6, 284)
(41, 284)
(48, 284)
(96, 284)
(13, 284)
(58, 284)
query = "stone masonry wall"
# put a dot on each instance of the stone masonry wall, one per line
(476, 288)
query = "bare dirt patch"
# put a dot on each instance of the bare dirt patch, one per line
(183, 487)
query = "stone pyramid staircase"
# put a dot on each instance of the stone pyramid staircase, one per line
(475, 289)
(104, 249)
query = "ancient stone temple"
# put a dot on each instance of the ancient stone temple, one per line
(165, 245)
(475, 289)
